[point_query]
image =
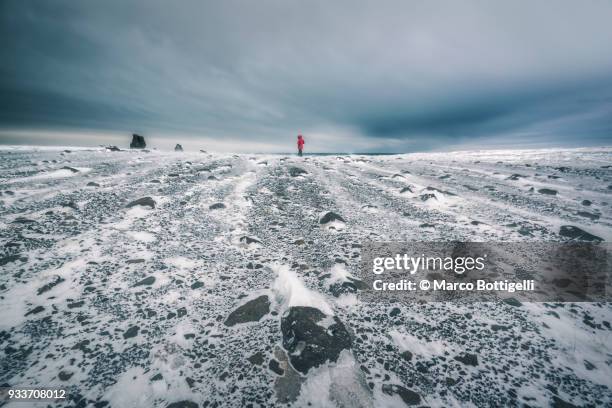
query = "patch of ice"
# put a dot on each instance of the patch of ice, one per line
(142, 236)
(423, 348)
(290, 291)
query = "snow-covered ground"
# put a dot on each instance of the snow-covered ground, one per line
(224, 289)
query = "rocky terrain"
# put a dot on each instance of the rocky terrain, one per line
(150, 279)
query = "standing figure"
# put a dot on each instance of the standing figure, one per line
(300, 142)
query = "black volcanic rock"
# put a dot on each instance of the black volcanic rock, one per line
(148, 281)
(178, 148)
(296, 171)
(569, 231)
(144, 201)
(131, 332)
(547, 191)
(251, 311)
(183, 404)
(468, 359)
(138, 142)
(329, 217)
(309, 344)
(408, 396)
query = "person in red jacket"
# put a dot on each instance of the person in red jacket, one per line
(300, 143)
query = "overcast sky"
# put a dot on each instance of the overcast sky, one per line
(350, 75)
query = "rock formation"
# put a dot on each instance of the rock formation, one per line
(138, 142)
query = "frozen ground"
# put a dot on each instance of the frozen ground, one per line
(230, 292)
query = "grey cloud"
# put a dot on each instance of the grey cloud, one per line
(397, 73)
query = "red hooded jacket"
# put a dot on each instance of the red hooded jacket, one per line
(300, 142)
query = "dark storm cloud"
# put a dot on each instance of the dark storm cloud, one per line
(386, 75)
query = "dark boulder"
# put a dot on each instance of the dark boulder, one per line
(251, 311)
(249, 240)
(296, 171)
(588, 215)
(547, 191)
(183, 404)
(256, 359)
(113, 149)
(468, 359)
(427, 196)
(144, 201)
(148, 281)
(216, 206)
(308, 344)
(178, 148)
(138, 142)
(408, 396)
(330, 217)
(569, 231)
(72, 169)
(131, 332)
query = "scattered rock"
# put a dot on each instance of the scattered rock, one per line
(559, 403)
(23, 220)
(547, 191)
(309, 344)
(65, 375)
(406, 190)
(197, 284)
(36, 310)
(93, 184)
(75, 305)
(8, 259)
(406, 355)
(248, 240)
(330, 217)
(178, 148)
(296, 171)
(72, 169)
(47, 287)
(113, 149)
(408, 396)
(588, 215)
(586, 203)
(183, 404)
(251, 311)
(138, 142)
(131, 332)
(468, 359)
(216, 206)
(569, 231)
(144, 201)
(135, 261)
(513, 302)
(427, 196)
(148, 281)
(257, 358)
(275, 366)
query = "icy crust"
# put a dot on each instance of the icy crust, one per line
(194, 279)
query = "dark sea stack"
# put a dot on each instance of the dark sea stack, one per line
(138, 142)
(178, 148)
